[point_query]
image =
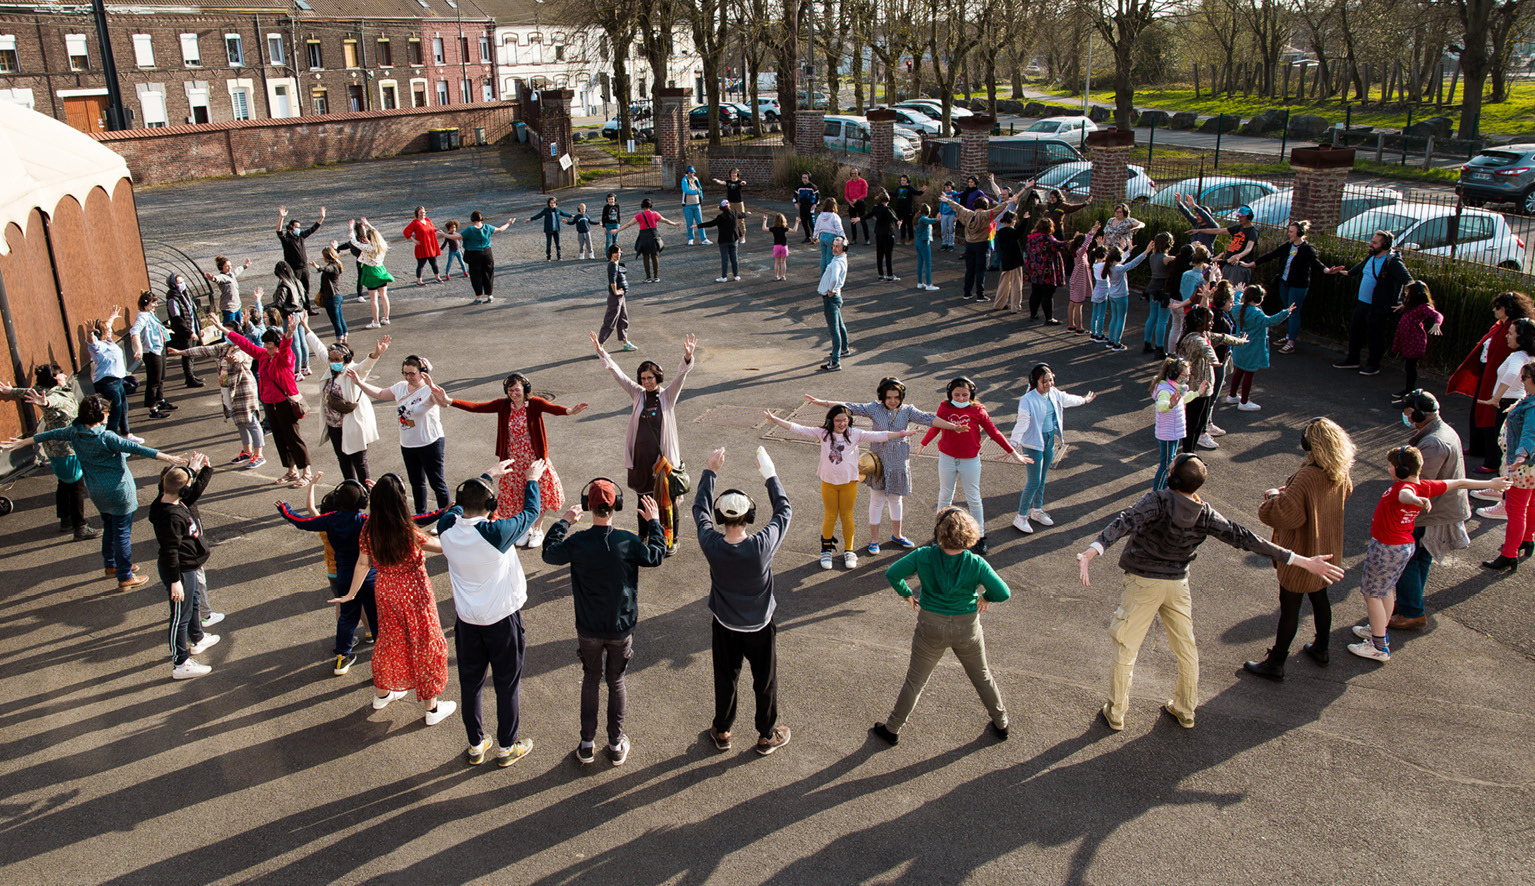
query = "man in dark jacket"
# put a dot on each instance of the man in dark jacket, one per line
(1294, 278)
(1164, 529)
(1381, 278)
(292, 236)
(604, 579)
(179, 531)
(725, 223)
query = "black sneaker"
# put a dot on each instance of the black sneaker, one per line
(880, 732)
(829, 367)
(195, 382)
(847, 352)
(586, 754)
(999, 732)
(343, 664)
(981, 547)
(1370, 371)
(1345, 365)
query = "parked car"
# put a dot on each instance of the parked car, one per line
(819, 102)
(698, 119)
(1218, 193)
(1480, 236)
(644, 130)
(1064, 126)
(1027, 154)
(845, 132)
(1072, 180)
(770, 109)
(1500, 175)
(934, 108)
(744, 111)
(1357, 200)
(917, 121)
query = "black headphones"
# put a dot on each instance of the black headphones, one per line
(1417, 400)
(962, 380)
(334, 495)
(1400, 469)
(1305, 433)
(490, 492)
(618, 494)
(1174, 481)
(751, 512)
(527, 386)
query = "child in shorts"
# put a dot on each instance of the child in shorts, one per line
(780, 229)
(1392, 545)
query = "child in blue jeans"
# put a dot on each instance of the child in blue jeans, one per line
(610, 221)
(453, 242)
(924, 222)
(340, 519)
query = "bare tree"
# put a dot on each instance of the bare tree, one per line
(1120, 23)
(1479, 20)
(656, 35)
(786, 51)
(707, 19)
(618, 20)
(1271, 24)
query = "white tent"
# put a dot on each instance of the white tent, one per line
(46, 160)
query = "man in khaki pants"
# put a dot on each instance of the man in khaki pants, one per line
(1164, 528)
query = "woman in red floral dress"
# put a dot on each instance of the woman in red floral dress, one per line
(520, 437)
(410, 651)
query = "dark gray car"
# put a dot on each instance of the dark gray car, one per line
(1501, 175)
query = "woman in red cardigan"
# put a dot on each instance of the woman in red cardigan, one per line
(1478, 374)
(959, 452)
(520, 436)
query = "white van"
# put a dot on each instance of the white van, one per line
(845, 132)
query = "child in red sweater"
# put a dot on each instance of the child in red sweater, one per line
(959, 452)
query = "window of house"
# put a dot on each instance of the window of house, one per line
(442, 92)
(274, 48)
(240, 99)
(143, 51)
(153, 102)
(349, 53)
(8, 54)
(197, 99)
(418, 93)
(236, 49)
(74, 46)
(414, 46)
(354, 97)
(559, 52)
(487, 90)
(484, 49)
(463, 48)
(316, 59)
(191, 54)
(319, 100)
(385, 54)
(466, 90)
(389, 97)
(510, 47)
(438, 52)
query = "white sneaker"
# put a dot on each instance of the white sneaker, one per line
(135, 438)
(444, 710)
(213, 619)
(1496, 512)
(690, 242)
(850, 560)
(1232, 401)
(535, 537)
(722, 279)
(1487, 495)
(380, 703)
(736, 277)
(363, 299)
(1215, 430)
(1021, 523)
(1361, 631)
(526, 538)
(1367, 650)
(922, 286)
(826, 559)
(931, 288)
(1207, 442)
(207, 641)
(708, 242)
(1039, 516)
(1249, 406)
(371, 325)
(188, 669)
(894, 279)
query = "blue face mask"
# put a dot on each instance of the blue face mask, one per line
(338, 368)
(959, 405)
(1406, 421)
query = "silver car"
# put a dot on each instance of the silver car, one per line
(1500, 175)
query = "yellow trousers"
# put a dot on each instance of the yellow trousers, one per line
(1144, 599)
(838, 501)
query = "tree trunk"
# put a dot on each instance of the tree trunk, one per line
(621, 89)
(1475, 64)
(1124, 84)
(786, 54)
(858, 106)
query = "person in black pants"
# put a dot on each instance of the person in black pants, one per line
(905, 205)
(292, 236)
(885, 222)
(1381, 278)
(725, 223)
(807, 197)
(741, 597)
(977, 228)
(186, 327)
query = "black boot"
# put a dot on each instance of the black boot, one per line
(1271, 667)
(1317, 652)
(1527, 549)
(1501, 563)
(980, 547)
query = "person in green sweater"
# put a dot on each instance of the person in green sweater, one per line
(957, 585)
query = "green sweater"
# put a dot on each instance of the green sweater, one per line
(949, 582)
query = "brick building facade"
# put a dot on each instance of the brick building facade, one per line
(189, 64)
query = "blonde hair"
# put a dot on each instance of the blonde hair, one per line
(380, 246)
(1331, 450)
(1172, 368)
(956, 530)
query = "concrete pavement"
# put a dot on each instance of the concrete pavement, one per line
(271, 769)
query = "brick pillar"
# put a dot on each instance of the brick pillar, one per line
(809, 129)
(1320, 174)
(974, 145)
(672, 136)
(1110, 152)
(556, 138)
(881, 142)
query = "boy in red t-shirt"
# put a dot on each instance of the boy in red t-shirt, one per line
(1391, 543)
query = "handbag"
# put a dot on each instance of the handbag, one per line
(338, 403)
(300, 407)
(871, 469)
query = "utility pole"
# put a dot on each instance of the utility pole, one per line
(117, 116)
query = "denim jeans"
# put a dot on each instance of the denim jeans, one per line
(117, 543)
(967, 471)
(1155, 332)
(300, 349)
(231, 319)
(447, 267)
(728, 255)
(1409, 588)
(111, 387)
(1119, 308)
(610, 236)
(351, 613)
(1034, 490)
(832, 305)
(1295, 295)
(1167, 450)
(693, 216)
(925, 262)
(1099, 318)
(333, 311)
(826, 241)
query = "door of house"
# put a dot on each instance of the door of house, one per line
(354, 97)
(282, 107)
(87, 113)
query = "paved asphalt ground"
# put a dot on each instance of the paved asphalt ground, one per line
(271, 769)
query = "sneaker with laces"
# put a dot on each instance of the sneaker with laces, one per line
(1230, 400)
(1487, 494)
(586, 753)
(1287, 348)
(382, 701)
(1346, 364)
(849, 560)
(736, 277)
(343, 664)
(1366, 649)
(1039, 516)
(721, 739)
(242, 458)
(213, 619)
(1249, 406)
(476, 753)
(629, 346)
(255, 463)
(618, 753)
(1207, 442)
(135, 438)
(443, 711)
(872, 548)
(1370, 371)
(519, 749)
(1494, 512)
(1021, 523)
(779, 737)
(208, 641)
(1215, 430)
(690, 242)
(1361, 631)
(188, 669)
(826, 559)
(722, 279)
(893, 279)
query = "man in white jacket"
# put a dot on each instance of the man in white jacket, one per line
(489, 590)
(832, 280)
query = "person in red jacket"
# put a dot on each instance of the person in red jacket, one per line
(959, 452)
(857, 191)
(520, 436)
(277, 389)
(428, 247)
(1478, 375)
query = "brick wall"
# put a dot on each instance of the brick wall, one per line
(809, 132)
(183, 153)
(756, 163)
(974, 145)
(1320, 174)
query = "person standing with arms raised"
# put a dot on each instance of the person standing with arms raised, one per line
(1381, 278)
(291, 235)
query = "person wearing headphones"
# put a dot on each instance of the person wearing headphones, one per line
(1164, 529)
(418, 403)
(1441, 529)
(1041, 421)
(741, 597)
(605, 566)
(339, 520)
(1307, 516)
(489, 589)
(959, 451)
(1392, 546)
(179, 531)
(956, 586)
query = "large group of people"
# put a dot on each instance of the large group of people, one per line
(1206, 328)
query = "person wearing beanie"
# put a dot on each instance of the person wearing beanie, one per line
(741, 597)
(726, 222)
(604, 566)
